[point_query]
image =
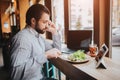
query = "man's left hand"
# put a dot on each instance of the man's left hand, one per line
(51, 28)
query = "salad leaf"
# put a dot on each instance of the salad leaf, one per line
(78, 55)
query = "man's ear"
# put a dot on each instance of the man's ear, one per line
(33, 21)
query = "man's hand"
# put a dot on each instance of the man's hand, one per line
(53, 53)
(51, 28)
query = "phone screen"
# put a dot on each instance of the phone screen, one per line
(100, 53)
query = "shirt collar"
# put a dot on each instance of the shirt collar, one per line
(34, 32)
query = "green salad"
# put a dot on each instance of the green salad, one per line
(77, 56)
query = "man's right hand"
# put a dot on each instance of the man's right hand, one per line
(52, 53)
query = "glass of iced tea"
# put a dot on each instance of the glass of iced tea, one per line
(93, 49)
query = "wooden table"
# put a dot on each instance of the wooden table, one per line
(87, 71)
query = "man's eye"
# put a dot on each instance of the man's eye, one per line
(44, 22)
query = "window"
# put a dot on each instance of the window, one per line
(116, 13)
(58, 16)
(116, 23)
(81, 14)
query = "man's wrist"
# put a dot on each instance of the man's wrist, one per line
(55, 33)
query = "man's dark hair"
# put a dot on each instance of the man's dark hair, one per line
(36, 11)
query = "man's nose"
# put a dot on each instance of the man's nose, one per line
(47, 25)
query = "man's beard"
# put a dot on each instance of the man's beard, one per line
(39, 30)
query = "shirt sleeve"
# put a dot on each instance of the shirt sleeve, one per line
(56, 42)
(20, 51)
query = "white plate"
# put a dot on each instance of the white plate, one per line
(65, 57)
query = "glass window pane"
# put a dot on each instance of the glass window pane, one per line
(116, 13)
(58, 16)
(81, 14)
(115, 22)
